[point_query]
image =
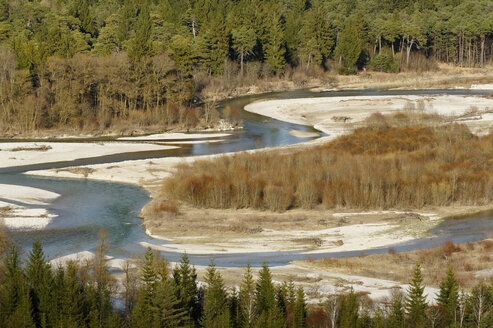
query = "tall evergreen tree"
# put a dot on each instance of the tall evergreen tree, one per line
(349, 311)
(141, 46)
(300, 309)
(269, 313)
(275, 48)
(40, 280)
(247, 299)
(216, 311)
(448, 299)
(416, 300)
(349, 45)
(185, 278)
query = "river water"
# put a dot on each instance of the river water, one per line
(87, 206)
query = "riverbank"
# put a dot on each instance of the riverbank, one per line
(336, 227)
(184, 228)
(446, 77)
(336, 116)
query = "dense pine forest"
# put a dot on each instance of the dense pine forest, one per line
(110, 64)
(37, 294)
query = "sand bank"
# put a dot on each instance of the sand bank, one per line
(176, 136)
(29, 153)
(339, 115)
(19, 209)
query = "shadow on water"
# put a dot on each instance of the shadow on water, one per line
(86, 206)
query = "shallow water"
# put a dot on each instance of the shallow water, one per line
(87, 206)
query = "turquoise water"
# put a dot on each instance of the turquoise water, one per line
(87, 206)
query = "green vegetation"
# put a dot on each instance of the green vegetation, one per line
(35, 294)
(98, 65)
(380, 166)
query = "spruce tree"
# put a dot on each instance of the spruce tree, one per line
(269, 313)
(216, 311)
(141, 45)
(396, 316)
(187, 293)
(448, 299)
(247, 299)
(40, 280)
(349, 311)
(172, 314)
(144, 313)
(349, 45)
(416, 300)
(275, 48)
(75, 308)
(300, 309)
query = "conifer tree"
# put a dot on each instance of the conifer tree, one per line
(216, 311)
(349, 45)
(396, 314)
(275, 48)
(172, 314)
(244, 39)
(247, 299)
(349, 311)
(269, 313)
(300, 309)
(74, 303)
(144, 313)
(187, 293)
(448, 299)
(141, 45)
(416, 300)
(40, 280)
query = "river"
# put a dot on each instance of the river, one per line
(87, 206)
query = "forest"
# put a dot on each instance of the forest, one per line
(34, 293)
(101, 64)
(391, 163)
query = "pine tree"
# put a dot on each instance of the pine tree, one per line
(141, 45)
(244, 39)
(247, 299)
(186, 280)
(448, 299)
(275, 49)
(269, 313)
(300, 309)
(396, 312)
(416, 300)
(144, 313)
(172, 314)
(348, 314)
(74, 303)
(349, 45)
(40, 280)
(216, 312)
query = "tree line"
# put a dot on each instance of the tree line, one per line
(97, 64)
(38, 294)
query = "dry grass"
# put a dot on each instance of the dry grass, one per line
(465, 259)
(376, 167)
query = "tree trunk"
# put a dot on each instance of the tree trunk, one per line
(241, 61)
(483, 39)
(409, 47)
(379, 44)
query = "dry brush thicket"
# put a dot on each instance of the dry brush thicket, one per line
(94, 94)
(467, 260)
(378, 166)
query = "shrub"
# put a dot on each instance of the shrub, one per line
(277, 198)
(384, 63)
